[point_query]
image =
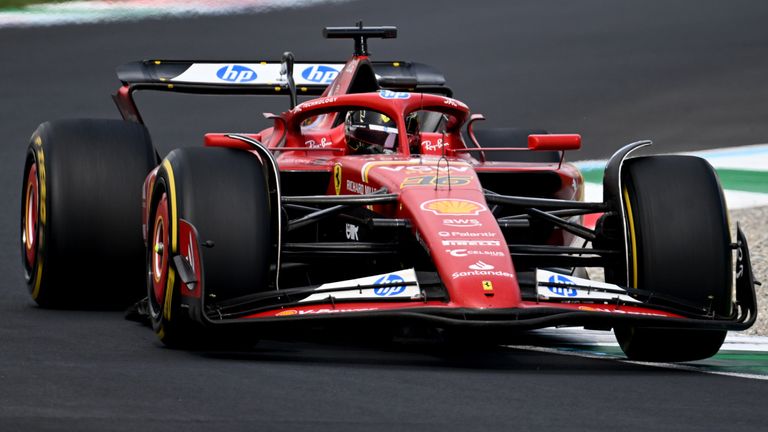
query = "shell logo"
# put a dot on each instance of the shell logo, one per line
(453, 207)
(287, 312)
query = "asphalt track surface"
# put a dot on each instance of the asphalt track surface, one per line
(688, 74)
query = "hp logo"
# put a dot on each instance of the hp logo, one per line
(390, 290)
(320, 74)
(389, 94)
(562, 291)
(236, 74)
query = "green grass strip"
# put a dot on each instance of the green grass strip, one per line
(594, 175)
(17, 4)
(744, 180)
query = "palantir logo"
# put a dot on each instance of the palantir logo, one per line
(389, 291)
(320, 74)
(560, 290)
(236, 74)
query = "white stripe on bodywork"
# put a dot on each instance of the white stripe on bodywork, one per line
(582, 289)
(266, 73)
(393, 291)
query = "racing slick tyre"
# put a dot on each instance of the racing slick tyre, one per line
(223, 194)
(679, 247)
(81, 238)
(513, 137)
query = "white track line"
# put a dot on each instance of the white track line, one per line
(675, 366)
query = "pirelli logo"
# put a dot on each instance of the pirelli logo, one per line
(471, 243)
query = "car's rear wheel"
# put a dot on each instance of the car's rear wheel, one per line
(679, 247)
(81, 212)
(223, 194)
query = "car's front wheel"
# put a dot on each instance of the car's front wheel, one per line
(223, 194)
(678, 242)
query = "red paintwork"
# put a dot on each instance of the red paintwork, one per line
(554, 142)
(605, 308)
(452, 221)
(159, 259)
(30, 216)
(448, 213)
(342, 308)
(146, 195)
(223, 140)
(590, 220)
(126, 105)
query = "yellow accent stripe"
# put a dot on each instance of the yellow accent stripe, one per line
(38, 277)
(169, 294)
(370, 165)
(172, 199)
(42, 214)
(632, 238)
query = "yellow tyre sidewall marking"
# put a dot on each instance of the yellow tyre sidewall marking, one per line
(42, 212)
(174, 243)
(172, 198)
(632, 237)
(169, 293)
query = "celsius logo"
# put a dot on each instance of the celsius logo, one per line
(236, 74)
(481, 266)
(562, 291)
(389, 290)
(319, 74)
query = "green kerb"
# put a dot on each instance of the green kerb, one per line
(744, 180)
(731, 179)
(16, 5)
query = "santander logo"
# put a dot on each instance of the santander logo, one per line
(481, 266)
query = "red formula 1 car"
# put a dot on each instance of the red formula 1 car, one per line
(374, 206)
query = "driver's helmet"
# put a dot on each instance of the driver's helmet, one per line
(370, 132)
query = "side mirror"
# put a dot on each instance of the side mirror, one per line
(472, 119)
(554, 142)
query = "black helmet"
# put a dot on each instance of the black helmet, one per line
(370, 132)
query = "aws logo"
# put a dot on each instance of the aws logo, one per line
(320, 74)
(236, 74)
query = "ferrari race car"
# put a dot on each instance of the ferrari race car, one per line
(377, 205)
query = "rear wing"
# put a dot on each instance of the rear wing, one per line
(260, 78)
(264, 77)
